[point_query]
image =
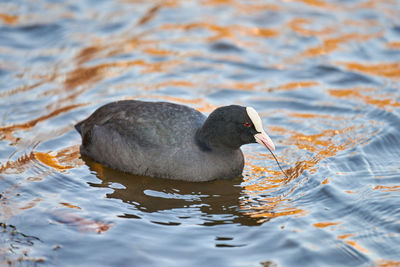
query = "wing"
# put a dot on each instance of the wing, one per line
(144, 123)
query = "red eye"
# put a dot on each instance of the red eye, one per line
(247, 124)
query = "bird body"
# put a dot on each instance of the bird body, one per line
(167, 140)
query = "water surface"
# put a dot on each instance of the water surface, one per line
(324, 76)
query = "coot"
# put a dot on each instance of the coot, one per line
(167, 140)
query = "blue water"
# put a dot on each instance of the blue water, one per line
(324, 76)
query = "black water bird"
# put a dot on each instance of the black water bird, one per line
(167, 140)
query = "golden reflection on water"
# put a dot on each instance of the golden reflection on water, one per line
(389, 70)
(317, 3)
(247, 8)
(264, 180)
(68, 205)
(325, 224)
(20, 89)
(393, 45)
(342, 237)
(66, 158)
(10, 202)
(331, 44)
(99, 72)
(8, 131)
(387, 188)
(388, 263)
(50, 160)
(357, 246)
(232, 32)
(8, 19)
(297, 85)
(369, 96)
(261, 181)
(298, 25)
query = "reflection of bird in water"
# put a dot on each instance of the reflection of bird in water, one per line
(218, 201)
(172, 141)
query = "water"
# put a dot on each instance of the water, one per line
(324, 75)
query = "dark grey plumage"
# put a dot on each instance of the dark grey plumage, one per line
(166, 140)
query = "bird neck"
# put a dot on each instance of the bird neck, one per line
(211, 138)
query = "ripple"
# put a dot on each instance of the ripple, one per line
(389, 70)
(42, 35)
(225, 47)
(322, 74)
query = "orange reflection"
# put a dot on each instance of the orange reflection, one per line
(105, 48)
(387, 188)
(326, 181)
(357, 246)
(258, 32)
(393, 45)
(321, 143)
(345, 236)
(331, 44)
(264, 214)
(162, 66)
(247, 7)
(297, 25)
(297, 85)
(20, 89)
(150, 14)
(388, 263)
(158, 52)
(175, 83)
(265, 208)
(261, 85)
(34, 179)
(17, 166)
(33, 122)
(387, 7)
(11, 206)
(93, 74)
(88, 53)
(388, 70)
(65, 204)
(221, 32)
(242, 85)
(325, 224)
(312, 115)
(50, 160)
(96, 73)
(7, 131)
(366, 23)
(380, 101)
(353, 243)
(32, 203)
(155, 86)
(69, 157)
(8, 19)
(317, 3)
(268, 179)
